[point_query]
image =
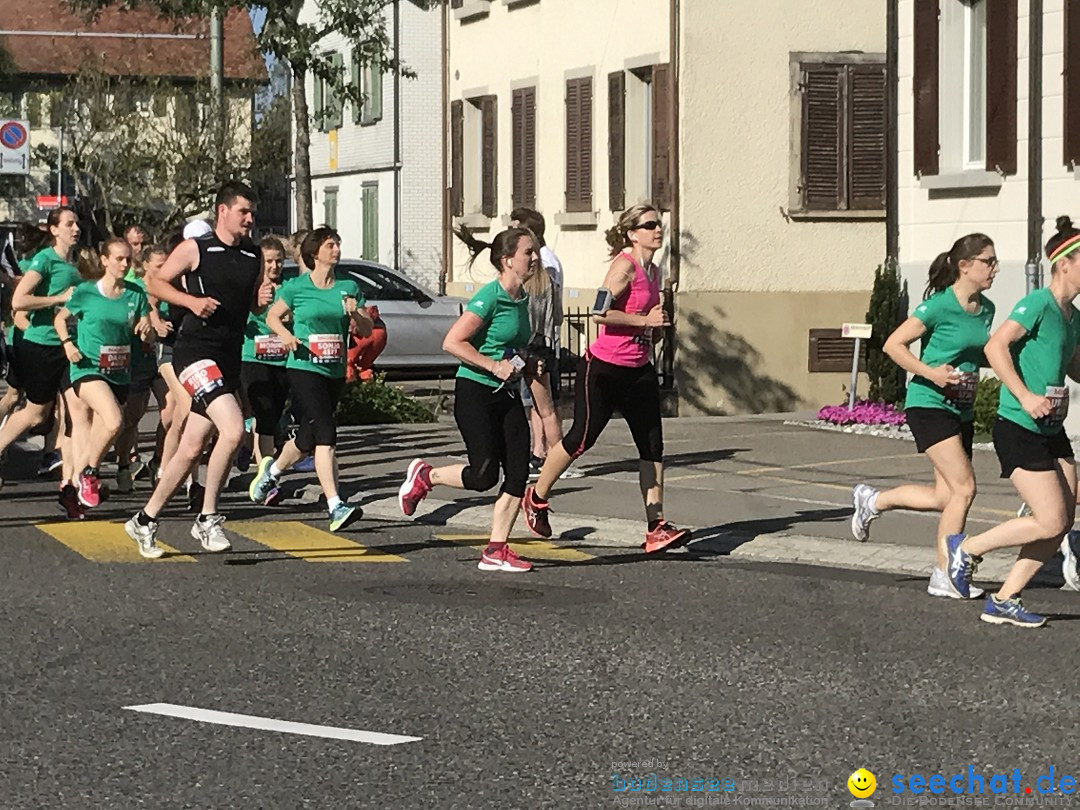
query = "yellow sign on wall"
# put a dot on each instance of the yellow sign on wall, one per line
(333, 149)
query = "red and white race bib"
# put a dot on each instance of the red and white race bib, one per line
(962, 392)
(1059, 404)
(199, 379)
(114, 359)
(269, 347)
(326, 349)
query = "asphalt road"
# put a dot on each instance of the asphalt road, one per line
(525, 690)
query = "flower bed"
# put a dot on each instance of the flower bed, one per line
(865, 412)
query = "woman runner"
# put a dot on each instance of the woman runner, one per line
(1031, 353)
(954, 323)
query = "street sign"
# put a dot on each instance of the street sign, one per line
(14, 146)
(857, 330)
(47, 202)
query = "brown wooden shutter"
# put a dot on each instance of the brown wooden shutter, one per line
(925, 87)
(1001, 86)
(523, 124)
(1072, 83)
(866, 137)
(489, 156)
(823, 182)
(617, 140)
(457, 157)
(661, 137)
(579, 144)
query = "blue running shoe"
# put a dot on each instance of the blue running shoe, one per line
(243, 458)
(1010, 611)
(263, 486)
(961, 565)
(344, 514)
(306, 464)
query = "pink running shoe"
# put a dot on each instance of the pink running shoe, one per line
(89, 489)
(416, 487)
(503, 558)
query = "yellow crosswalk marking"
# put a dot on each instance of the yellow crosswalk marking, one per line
(309, 544)
(98, 541)
(527, 548)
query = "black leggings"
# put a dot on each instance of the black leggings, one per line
(267, 388)
(496, 432)
(315, 398)
(600, 390)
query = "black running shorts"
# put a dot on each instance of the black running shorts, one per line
(929, 426)
(1021, 449)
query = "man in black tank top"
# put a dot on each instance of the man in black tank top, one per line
(222, 272)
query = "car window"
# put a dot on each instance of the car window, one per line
(377, 284)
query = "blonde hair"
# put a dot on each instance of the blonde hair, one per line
(617, 236)
(89, 264)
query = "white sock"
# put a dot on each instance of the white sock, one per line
(333, 503)
(871, 502)
(275, 471)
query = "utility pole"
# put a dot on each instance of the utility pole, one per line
(217, 84)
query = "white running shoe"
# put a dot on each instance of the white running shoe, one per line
(1070, 566)
(1024, 510)
(145, 536)
(861, 494)
(210, 534)
(940, 586)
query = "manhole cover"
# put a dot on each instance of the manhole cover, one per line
(463, 594)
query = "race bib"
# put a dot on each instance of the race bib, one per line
(269, 347)
(962, 392)
(114, 359)
(199, 379)
(326, 349)
(644, 339)
(1059, 404)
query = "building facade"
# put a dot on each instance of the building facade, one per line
(376, 167)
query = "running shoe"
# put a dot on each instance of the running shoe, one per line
(243, 458)
(535, 465)
(138, 467)
(502, 558)
(1070, 565)
(961, 565)
(124, 480)
(145, 536)
(89, 488)
(263, 486)
(416, 487)
(50, 463)
(210, 534)
(861, 495)
(536, 513)
(572, 472)
(1010, 611)
(664, 536)
(1024, 510)
(940, 586)
(343, 514)
(195, 496)
(306, 464)
(69, 503)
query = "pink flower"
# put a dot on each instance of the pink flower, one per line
(865, 412)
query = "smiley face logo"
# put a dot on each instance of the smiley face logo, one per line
(862, 784)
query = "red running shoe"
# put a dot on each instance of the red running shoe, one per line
(665, 536)
(89, 489)
(503, 558)
(416, 487)
(536, 514)
(69, 503)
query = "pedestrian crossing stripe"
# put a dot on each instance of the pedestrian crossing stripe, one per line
(105, 542)
(528, 548)
(309, 544)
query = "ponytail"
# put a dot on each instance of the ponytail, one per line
(89, 264)
(945, 269)
(504, 244)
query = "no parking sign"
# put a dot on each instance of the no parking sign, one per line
(14, 146)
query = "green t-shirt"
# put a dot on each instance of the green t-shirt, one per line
(956, 337)
(56, 276)
(506, 326)
(143, 355)
(1041, 358)
(104, 330)
(320, 324)
(260, 344)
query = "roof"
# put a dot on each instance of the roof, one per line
(44, 38)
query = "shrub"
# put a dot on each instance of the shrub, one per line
(888, 309)
(865, 412)
(986, 404)
(376, 403)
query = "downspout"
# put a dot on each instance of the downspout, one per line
(892, 171)
(671, 285)
(1033, 268)
(444, 268)
(397, 135)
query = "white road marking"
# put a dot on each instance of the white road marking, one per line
(269, 724)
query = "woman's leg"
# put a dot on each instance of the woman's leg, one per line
(20, 421)
(105, 422)
(546, 428)
(77, 444)
(956, 480)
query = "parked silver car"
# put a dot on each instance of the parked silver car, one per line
(416, 319)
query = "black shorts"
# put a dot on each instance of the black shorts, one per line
(929, 426)
(40, 369)
(315, 398)
(142, 377)
(1018, 448)
(266, 387)
(119, 391)
(222, 378)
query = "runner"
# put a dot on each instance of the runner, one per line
(490, 339)
(954, 323)
(617, 373)
(321, 307)
(1031, 353)
(224, 269)
(39, 358)
(266, 382)
(109, 313)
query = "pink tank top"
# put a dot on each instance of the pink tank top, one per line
(630, 345)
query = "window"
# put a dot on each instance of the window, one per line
(327, 100)
(370, 201)
(579, 134)
(379, 285)
(474, 155)
(840, 136)
(523, 113)
(962, 78)
(639, 117)
(330, 196)
(33, 110)
(57, 110)
(369, 80)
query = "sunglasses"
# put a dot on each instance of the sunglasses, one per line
(651, 225)
(992, 262)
